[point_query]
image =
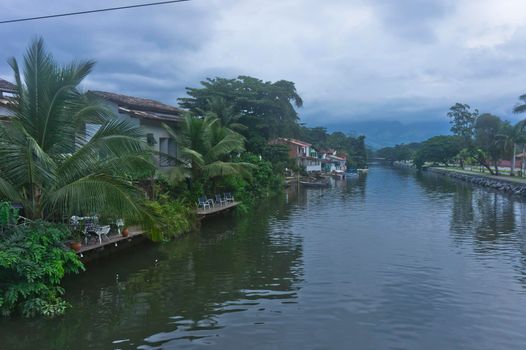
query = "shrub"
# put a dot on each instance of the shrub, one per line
(33, 261)
(173, 218)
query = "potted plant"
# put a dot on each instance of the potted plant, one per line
(76, 239)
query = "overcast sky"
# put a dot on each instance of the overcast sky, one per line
(351, 60)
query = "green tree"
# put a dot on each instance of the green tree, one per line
(206, 150)
(521, 108)
(265, 107)
(49, 162)
(509, 137)
(488, 129)
(462, 121)
(438, 149)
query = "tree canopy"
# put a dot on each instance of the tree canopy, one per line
(268, 107)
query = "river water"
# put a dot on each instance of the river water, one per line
(394, 260)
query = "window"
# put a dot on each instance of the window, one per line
(167, 146)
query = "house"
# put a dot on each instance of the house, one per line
(333, 163)
(7, 90)
(150, 116)
(303, 152)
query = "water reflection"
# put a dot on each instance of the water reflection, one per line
(179, 290)
(394, 260)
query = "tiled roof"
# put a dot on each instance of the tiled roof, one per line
(136, 103)
(7, 86)
(150, 115)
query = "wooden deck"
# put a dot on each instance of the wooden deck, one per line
(202, 213)
(94, 249)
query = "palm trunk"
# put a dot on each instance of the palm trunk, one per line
(496, 165)
(522, 159)
(512, 172)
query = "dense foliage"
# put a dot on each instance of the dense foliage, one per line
(352, 147)
(438, 149)
(484, 139)
(33, 261)
(49, 162)
(174, 217)
(266, 109)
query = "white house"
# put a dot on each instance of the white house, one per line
(305, 155)
(7, 90)
(150, 115)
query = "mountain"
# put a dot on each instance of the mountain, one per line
(389, 133)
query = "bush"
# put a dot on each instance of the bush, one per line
(173, 218)
(263, 183)
(33, 261)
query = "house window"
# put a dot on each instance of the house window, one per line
(168, 150)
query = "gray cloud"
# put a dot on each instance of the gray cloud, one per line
(352, 60)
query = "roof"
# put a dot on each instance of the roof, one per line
(336, 157)
(7, 86)
(296, 142)
(149, 115)
(137, 103)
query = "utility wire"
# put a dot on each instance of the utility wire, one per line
(91, 11)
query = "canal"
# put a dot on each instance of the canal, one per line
(394, 260)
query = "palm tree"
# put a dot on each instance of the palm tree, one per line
(220, 108)
(54, 165)
(206, 150)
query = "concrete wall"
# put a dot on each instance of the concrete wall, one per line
(149, 127)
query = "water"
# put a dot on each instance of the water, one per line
(395, 260)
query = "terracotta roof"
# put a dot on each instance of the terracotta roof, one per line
(136, 103)
(7, 86)
(150, 115)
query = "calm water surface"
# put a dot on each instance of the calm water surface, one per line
(395, 260)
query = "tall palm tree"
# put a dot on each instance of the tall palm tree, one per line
(220, 108)
(49, 161)
(206, 149)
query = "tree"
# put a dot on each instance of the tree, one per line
(509, 137)
(206, 150)
(438, 149)
(220, 108)
(266, 107)
(521, 108)
(462, 121)
(488, 128)
(49, 162)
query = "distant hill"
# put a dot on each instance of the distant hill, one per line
(389, 133)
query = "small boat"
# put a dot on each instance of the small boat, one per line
(350, 175)
(363, 171)
(315, 184)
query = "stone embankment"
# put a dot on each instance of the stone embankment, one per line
(503, 185)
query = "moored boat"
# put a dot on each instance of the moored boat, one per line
(363, 171)
(315, 184)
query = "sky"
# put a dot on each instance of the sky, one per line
(353, 61)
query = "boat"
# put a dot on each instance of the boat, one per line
(363, 171)
(351, 174)
(315, 184)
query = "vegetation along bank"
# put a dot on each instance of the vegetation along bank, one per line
(79, 167)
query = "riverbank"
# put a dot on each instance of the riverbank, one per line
(507, 184)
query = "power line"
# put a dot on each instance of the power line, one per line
(91, 11)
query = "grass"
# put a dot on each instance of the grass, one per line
(504, 174)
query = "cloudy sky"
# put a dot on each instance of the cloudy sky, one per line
(351, 60)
